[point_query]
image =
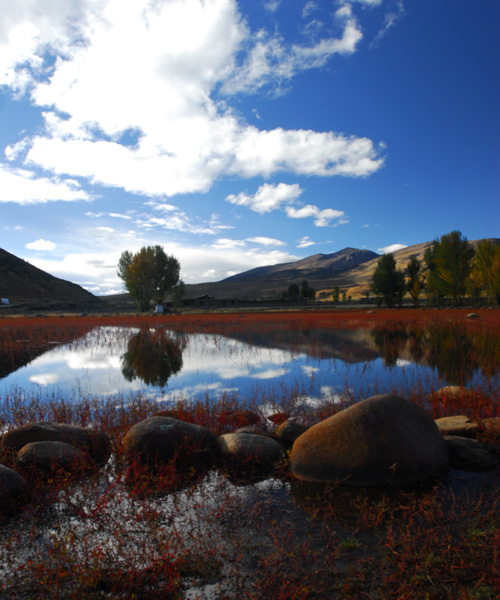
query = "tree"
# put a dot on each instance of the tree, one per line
(150, 273)
(453, 262)
(293, 292)
(336, 294)
(388, 283)
(485, 273)
(415, 283)
(307, 292)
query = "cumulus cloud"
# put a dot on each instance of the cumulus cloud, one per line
(25, 187)
(41, 245)
(99, 90)
(391, 248)
(322, 218)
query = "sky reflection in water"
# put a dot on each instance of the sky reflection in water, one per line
(117, 360)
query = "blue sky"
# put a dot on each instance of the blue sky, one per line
(243, 133)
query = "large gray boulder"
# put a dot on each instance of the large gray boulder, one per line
(95, 443)
(161, 439)
(381, 441)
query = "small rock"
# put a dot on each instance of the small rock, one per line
(472, 316)
(13, 490)
(470, 455)
(240, 418)
(459, 425)
(96, 443)
(250, 450)
(289, 431)
(52, 456)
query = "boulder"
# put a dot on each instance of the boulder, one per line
(492, 426)
(289, 431)
(13, 489)
(161, 439)
(240, 418)
(95, 443)
(380, 441)
(457, 425)
(250, 450)
(470, 455)
(50, 457)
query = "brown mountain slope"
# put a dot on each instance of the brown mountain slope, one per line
(21, 282)
(357, 281)
(320, 270)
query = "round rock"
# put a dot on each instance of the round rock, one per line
(471, 455)
(289, 431)
(52, 456)
(95, 443)
(165, 438)
(458, 425)
(380, 441)
(250, 450)
(12, 489)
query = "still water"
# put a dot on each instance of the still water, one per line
(327, 366)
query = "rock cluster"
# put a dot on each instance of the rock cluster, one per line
(381, 441)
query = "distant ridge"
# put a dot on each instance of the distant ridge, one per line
(319, 270)
(21, 282)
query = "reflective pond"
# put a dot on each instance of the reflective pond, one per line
(310, 366)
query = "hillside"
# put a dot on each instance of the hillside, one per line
(320, 271)
(21, 282)
(350, 269)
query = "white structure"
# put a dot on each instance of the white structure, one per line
(158, 309)
(5, 301)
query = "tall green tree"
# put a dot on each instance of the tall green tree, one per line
(453, 263)
(148, 274)
(335, 293)
(415, 283)
(388, 283)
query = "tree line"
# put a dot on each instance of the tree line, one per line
(451, 270)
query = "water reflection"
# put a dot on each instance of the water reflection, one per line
(152, 356)
(313, 365)
(457, 354)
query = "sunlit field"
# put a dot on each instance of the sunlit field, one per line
(209, 532)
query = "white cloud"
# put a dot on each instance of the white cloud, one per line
(391, 248)
(41, 245)
(309, 7)
(322, 218)
(267, 198)
(305, 242)
(24, 187)
(266, 241)
(227, 243)
(163, 88)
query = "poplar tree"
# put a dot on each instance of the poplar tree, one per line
(150, 273)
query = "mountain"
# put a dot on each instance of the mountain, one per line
(320, 270)
(350, 269)
(21, 282)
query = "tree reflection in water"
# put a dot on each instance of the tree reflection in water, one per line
(455, 352)
(152, 356)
